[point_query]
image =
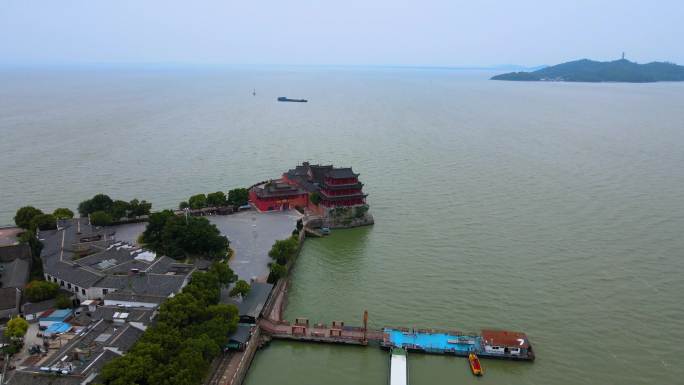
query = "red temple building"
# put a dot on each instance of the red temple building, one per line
(277, 195)
(334, 187)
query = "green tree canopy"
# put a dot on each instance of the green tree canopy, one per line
(283, 250)
(238, 196)
(197, 201)
(180, 237)
(119, 209)
(99, 202)
(16, 327)
(315, 198)
(277, 271)
(241, 288)
(63, 301)
(63, 213)
(216, 199)
(29, 237)
(152, 236)
(184, 205)
(43, 222)
(139, 208)
(100, 218)
(37, 291)
(25, 215)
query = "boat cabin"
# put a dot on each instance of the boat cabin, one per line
(505, 342)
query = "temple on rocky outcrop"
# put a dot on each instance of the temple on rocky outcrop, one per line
(335, 194)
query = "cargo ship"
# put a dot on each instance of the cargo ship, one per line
(286, 99)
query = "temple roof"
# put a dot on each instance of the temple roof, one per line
(277, 189)
(341, 173)
(357, 185)
(342, 197)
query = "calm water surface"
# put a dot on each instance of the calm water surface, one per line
(555, 209)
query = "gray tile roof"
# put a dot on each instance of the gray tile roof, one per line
(14, 273)
(254, 302)
(81, 277)
(241, 334)
(9, 298)
(144, 284)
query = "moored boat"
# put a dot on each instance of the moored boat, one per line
(475, 366)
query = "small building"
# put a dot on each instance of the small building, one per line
(251, 306)
(505, 343)
(277, 195)
(240, 338)
(53, 316)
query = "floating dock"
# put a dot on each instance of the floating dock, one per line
(398, 367)
(490, 343)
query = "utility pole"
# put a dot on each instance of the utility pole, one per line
(365, 326)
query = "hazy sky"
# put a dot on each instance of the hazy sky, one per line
(375, 32)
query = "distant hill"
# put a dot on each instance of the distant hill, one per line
(586, 70)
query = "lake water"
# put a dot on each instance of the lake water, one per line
(554, 209)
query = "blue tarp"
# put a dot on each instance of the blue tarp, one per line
(57, 315)
(57, 327)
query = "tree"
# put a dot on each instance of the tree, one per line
(315, 198)
(16, 328)
(184, 205)
(180, 237)
(238, 196)
(29, 237)
(43, 222)
(139, 208)
(63, 301)
(100, 218)
(119, 209)
(216, 199)
(192, 237)
(283, 250)
(197, 201)
(37, 291)
(241, 288)
(63, 213)
(24, 216)
(152, 236)
(277, 271)
(99, 202)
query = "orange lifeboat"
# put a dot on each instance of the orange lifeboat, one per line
(475, 366)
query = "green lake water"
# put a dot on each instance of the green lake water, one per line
(554, 209)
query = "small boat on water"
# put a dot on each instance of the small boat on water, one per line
(475, 366)
(286, 99)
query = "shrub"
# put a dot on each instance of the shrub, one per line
(37, 291)
(63, 302)
(43, 222)
(100, 218)
(197, 201)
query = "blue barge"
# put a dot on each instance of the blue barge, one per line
(489, 343)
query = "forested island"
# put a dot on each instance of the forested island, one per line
(586, 70)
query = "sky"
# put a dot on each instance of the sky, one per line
(343, 32)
